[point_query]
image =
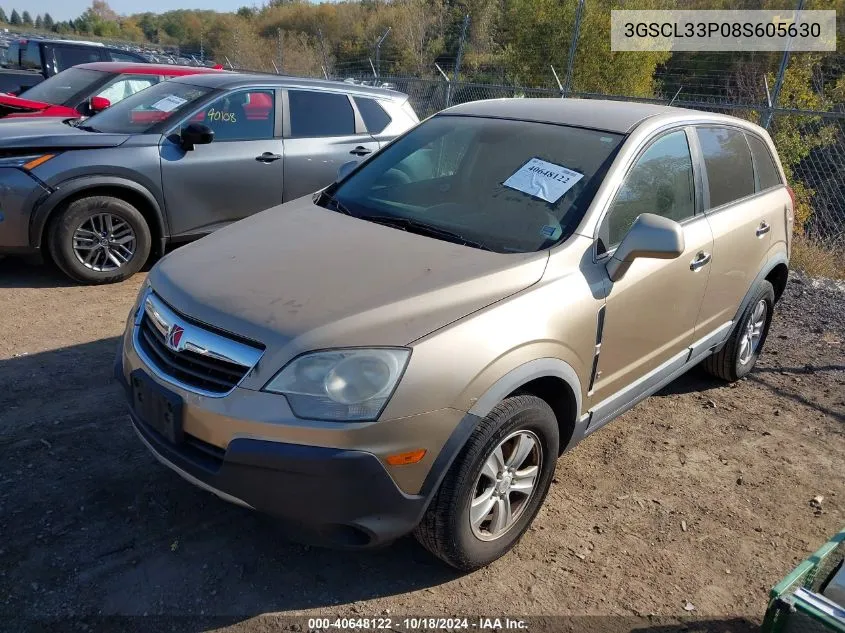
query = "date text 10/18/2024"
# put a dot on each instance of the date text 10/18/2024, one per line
(416, 624)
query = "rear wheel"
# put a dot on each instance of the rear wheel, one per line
(739, 355)
(99, 240)
(495, 487)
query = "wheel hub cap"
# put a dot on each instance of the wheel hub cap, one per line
(504, 485)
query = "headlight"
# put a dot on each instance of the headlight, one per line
(28, 162)
(344, 384)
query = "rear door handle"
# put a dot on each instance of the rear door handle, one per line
(763, 229)
(701, 259)
(268, 157)
(361, 151)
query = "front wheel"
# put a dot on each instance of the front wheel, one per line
(495, 487)
(99, 240)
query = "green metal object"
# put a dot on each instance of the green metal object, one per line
(788, 613)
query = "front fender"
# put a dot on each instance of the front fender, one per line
(522, 375)
(69, 188)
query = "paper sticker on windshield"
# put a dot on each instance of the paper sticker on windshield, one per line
(543, 180)
(169, 103)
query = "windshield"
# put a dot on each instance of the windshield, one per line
(67, 87)
(507, 186)
(148, 108)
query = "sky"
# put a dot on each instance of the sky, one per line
(69, 9)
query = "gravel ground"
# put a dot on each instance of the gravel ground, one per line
(692, 505)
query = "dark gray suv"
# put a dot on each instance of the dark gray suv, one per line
(177, 161)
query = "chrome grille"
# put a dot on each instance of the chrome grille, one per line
(189, 355)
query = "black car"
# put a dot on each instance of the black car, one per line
(30, 61)
(178, 160)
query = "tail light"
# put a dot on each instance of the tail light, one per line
(791, 197)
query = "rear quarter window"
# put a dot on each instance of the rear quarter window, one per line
(767, 174)
(727, 159)
(31, 58)
(13, 54)
(375, 118)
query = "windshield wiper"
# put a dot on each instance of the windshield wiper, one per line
(421, 228)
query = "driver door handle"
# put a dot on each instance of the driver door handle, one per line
(361, 151)
(701, 260)
(763, 229)
(268, 157)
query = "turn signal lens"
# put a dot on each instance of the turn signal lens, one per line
(403, 459)
(38, 161)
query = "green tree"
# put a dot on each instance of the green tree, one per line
(537, 35)
(39, 23)
(27, 19)
(3, 17)
(48, 22)
(15, 18)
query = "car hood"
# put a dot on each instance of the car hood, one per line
(11, 106)
(299, 277)
(35, 133)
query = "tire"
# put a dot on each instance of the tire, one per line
(733, 361)
(445, 529)
(88, 215)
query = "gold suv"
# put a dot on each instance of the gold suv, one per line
(412, 348)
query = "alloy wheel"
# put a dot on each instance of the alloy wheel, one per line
(753, 333)
(104, 242)
(506, 484)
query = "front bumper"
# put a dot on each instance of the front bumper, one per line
(338, 493)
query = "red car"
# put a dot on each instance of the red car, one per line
(83, 90)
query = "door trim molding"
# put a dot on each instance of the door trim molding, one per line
(624, 399)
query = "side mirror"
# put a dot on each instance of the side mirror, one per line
(344, 170)
(650, 236)
(196, 134)
(98, 104)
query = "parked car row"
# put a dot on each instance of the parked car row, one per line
(366, 349)
(29, 61)
(176, 160)
(87, 89)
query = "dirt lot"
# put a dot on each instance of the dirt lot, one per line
(699, 495)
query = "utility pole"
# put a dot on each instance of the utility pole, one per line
(378, 52)
(280, 45)
(784, 62)
(323, 52)
(573, 45)
(461, 48)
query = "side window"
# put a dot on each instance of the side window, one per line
(320, 114)
(375, 118)
(247, 115)
(67, 56)
(767, 173)
(126, 86)
(120, 56)
(31, 58)
(660, 182)
(728, 163)
(13, 54)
